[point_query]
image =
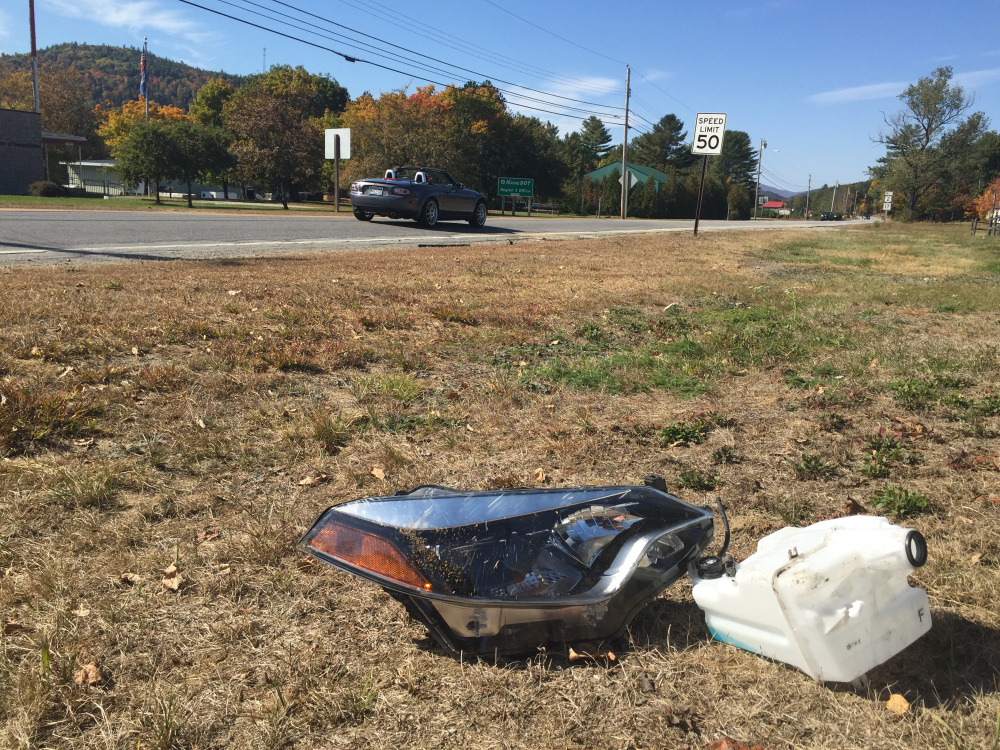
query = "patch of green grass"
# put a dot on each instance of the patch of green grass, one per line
(332, 432)
(725, 455)
(30, 417)
(692, 479)
(899, 503)
(82, 489)
(793, 512)
(813, 466)
(694, 431)
(402, 388)
(887, 451)
(834, 422)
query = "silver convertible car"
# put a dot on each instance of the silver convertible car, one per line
(427, 195)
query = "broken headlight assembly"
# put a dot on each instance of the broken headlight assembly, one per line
(506, 571)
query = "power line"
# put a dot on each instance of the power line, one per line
(405, 59)
(671, 96)
(476, 50)
(428, 57)
(552, 33)
(353, 59)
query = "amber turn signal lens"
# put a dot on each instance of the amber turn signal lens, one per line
(368, 552)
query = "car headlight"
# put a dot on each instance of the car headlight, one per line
(508, 570)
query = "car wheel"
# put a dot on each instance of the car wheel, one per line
(429, 213)
(478, 218)
(362, 215)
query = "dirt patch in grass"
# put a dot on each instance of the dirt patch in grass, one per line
(175, 429)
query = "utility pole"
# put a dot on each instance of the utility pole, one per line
(756, 192)
(808, 190)
(34, 53)
(833, 198)
(625, 180)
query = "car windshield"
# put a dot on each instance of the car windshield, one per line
(434, 176)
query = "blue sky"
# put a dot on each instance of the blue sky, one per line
(813, 80)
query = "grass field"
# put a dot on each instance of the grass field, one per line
(167, 433)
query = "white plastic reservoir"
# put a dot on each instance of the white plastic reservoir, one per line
(831, 599)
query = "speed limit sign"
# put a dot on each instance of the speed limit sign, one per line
(709, 132)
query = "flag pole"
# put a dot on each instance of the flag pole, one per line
(144, 78)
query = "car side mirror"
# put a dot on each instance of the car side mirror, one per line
(461, 186)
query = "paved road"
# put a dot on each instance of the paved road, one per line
(45, 237)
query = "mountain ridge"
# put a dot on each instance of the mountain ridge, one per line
(112, 73)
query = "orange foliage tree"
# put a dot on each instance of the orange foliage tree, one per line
(983, 205)
(115, 125)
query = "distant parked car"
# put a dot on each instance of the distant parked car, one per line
(826, 216)
(427, 195)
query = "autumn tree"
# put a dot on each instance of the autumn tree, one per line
(147, 151)
(114, 125)
(197, 152)
(207, 110)
(274, 143)
(929, 141)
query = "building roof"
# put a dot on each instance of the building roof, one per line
(641, 173)
(91, 163)
(61, 139)
(773, 204)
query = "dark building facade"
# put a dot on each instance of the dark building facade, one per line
(20, 151)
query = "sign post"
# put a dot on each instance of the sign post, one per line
(887, 204)
(515, 187)
(709, 133)
(338, 146)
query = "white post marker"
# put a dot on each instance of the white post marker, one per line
(709, 133)
(338, 146)
(887, 201)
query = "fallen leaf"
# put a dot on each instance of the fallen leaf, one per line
(853, 508)
(976, 558)
(233, 292)
(469, 428)
(201, 423)
(36, 352)
(314, 479)
(522, 363)
(728, 743)
(553, 343)
(81, 611)
(590, 651)
(540, 475)
(131, 578)
(87, 675)
(305, 563)
(12, 626)
(897, 704)
(65, 372)
(963, 519)
(206, 535)
(135, 350)
(171, 577)
(377, 473)
(223, 569)
(874, 363)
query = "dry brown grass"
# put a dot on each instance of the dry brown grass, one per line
(173, 415)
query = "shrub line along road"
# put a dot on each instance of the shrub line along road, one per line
(53, 236)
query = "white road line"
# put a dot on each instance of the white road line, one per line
(20, 252)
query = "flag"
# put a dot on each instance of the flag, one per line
(143, 76)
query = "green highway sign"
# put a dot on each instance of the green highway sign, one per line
(518, 186)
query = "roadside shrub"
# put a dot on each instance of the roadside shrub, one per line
(46, 189)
